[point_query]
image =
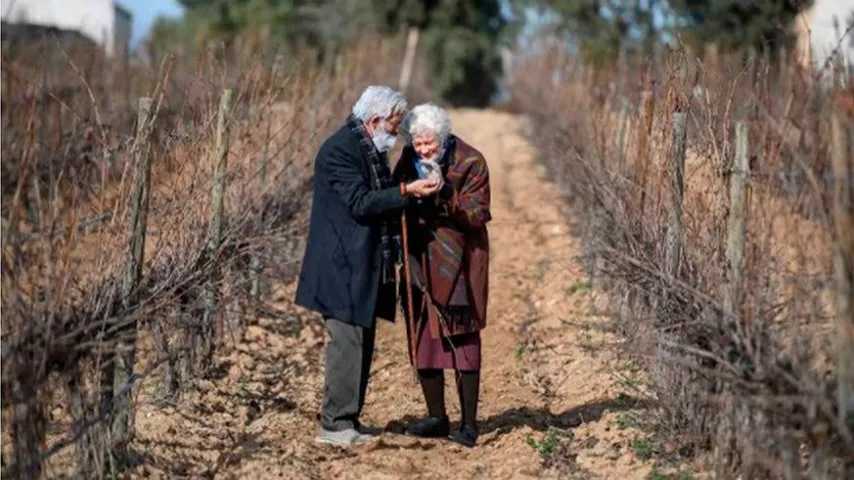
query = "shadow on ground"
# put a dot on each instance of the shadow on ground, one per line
(541, 419)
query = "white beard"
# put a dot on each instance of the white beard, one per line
(383, 140)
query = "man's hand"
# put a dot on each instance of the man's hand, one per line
(423, 188)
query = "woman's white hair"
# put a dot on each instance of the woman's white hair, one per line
(379, 101)
(427, 119)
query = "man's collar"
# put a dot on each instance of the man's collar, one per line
(356, 126)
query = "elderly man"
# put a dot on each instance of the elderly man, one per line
(348, 269)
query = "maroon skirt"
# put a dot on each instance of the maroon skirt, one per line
(458, 352)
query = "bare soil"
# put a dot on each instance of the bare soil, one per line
(557, 400)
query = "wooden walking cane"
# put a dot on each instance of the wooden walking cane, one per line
(413, 330)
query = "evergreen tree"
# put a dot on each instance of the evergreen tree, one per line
(323, 25)
(765, 25)
(461, 37)
(601, 29)
(462, 40)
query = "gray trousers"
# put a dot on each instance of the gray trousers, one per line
(349, 352)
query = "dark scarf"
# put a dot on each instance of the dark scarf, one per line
(380, 179)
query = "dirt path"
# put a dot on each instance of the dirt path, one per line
(555, 401)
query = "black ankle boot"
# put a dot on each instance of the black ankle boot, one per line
(465, 436)
(430, 427)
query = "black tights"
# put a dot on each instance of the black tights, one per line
(468, 385)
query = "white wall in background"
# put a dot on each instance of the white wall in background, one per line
(817, 27)
(103, 21)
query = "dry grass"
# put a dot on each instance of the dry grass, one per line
(68, 171)
(755, 386)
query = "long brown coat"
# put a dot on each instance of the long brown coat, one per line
(448, 239)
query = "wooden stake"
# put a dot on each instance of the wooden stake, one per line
(221, 158)
(644, 131)
(676, 170)
(622, 128)
(843, 262)
(409, 58)
(255, 266)
(215, 228)
(737, 220)
(125, 350)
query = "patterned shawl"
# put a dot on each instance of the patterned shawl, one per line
(450, 237)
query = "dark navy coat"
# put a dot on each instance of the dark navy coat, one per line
(340, 275)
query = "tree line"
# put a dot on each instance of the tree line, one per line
(463, 38)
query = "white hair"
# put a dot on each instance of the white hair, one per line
(427, 119)
(379, 101)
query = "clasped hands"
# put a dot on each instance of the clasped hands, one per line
(422, 188)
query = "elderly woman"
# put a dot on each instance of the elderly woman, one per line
(448, 263)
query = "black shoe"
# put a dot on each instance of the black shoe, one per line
(465, 436)
(430, 427)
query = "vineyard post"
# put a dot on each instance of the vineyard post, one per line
(737, 220)
(254, 262)
(843, 262)
(408, 59)
(644, 132)
(215, 230)
(622, 129)
(638, 170)
(125, 349)
(676, 169)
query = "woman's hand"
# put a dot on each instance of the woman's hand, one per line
(423, 188)
(434, 172)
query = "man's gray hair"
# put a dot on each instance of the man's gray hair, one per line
(379, 101)
(427, 119)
